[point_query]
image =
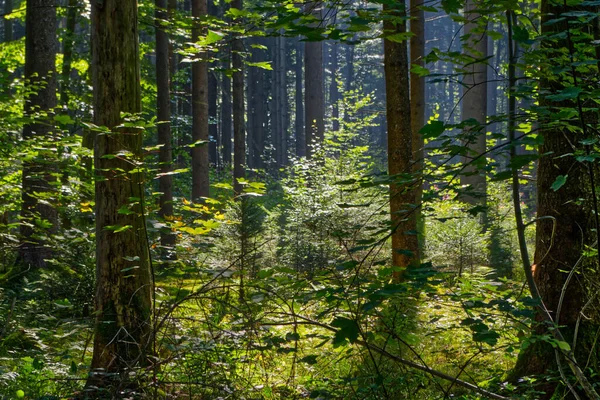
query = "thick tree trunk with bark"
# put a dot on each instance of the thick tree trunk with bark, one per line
(314, 91)
(564, 227)
(399, 142)
(239, 135)
(163, 103)
(39, 217)
(200, 181)
(123, 301)
(474, 104)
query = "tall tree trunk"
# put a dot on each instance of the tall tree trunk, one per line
(314, 92)
(474, 105)
(283, 103)
(200, 167)
(349, 75)
(8, 23)
(239, 136)
(68, 51)
(38, 180)
(334, 94)
(399, 142)
(213, 85)
(123, 301)
(226, 113)
(417, 103)
(560, 241)
(299, 122)
(256, 102)
(279, 109)
(163, 105)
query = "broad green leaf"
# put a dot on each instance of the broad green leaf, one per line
(559, 182)
(348, 330)
(432, 130)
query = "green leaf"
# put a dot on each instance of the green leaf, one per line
(566, 94)
(563, 345)
(559, 182)
(520, 34)
(433, 129)
(263, 64)
(310, 360)
(63, 119)
(451, 6)
(348, 330)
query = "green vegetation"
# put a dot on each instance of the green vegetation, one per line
(118, 280)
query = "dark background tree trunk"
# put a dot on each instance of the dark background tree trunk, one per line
(40, 73)
(163, 102)
(200, 166)
(314, 91)
(239, 136)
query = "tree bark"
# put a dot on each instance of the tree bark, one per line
(256, 103)
(200, 166)
(8, 23)
(474, 104)
(123, 302)
(239, 135)
(226, 113)
(213, 132)
(299, 100)
(163, 105)
(560, 241)
(314, 91)
(399, 142)
(68, 51)
(334, 94)
(39, 183)
(417, 104)
(349, 75)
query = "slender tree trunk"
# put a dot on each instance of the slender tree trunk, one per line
(226, 114)
(474, 105)
(213, 84)
(279, 109)
(8, 23)
(283, 109)
(256, 101)
(417, 104)
(68, 51)
(123, 301)
(299, 122)
(314, 93)
(200, 168)
(163, 103)
(212, 115)
(38, 180)
(349, 75)
(334, 94)
(239, 136)
(402, 195)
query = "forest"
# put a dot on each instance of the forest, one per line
(308, 199)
